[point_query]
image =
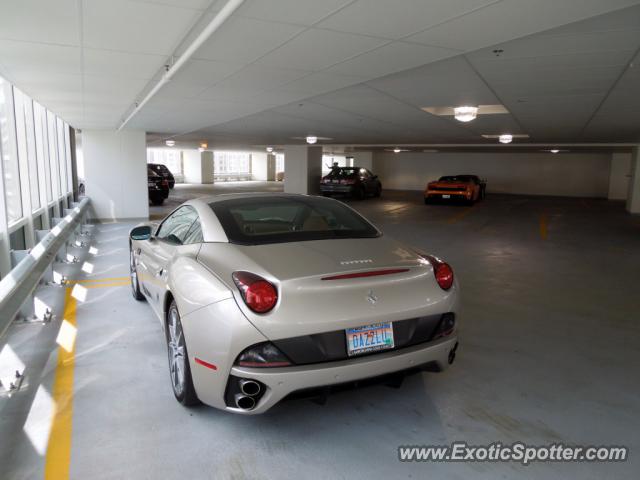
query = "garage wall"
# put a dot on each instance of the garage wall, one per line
(565, 174)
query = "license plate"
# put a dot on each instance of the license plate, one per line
(369, 338)
(151, 184)
(446, 196)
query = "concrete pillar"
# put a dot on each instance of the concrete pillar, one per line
(259, 166)
(304, 169)
(271, 167)
(362, 159)
(619, 176)
(633, 199)
(115, 171)
(198, 166)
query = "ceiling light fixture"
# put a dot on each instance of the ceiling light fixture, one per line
(465, 113)
(396, 150)
(204, 145)
(269, 149)
(170, 143)
(505, 138)
(311, 139)
(554, 150)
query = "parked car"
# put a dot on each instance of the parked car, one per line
(467, 188)
(163, 171)
(246, 327)
(158, 187)
(355, 181)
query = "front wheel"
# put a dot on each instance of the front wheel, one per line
(135, 282)
(179, 369)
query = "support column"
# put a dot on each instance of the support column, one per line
(362, 159)
(259, 167)
(304, 169)
(198, 166)
(619, 176)
(633, 199)
(271, 167)
(115, 170)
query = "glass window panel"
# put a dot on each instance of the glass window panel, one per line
(53, 154)
(229, 163)
(165, 156)
(9, 153)
(67, 146)
(42, 146)
(62, 156)
(34, 186)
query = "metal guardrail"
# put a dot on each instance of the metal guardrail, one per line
(19, 284)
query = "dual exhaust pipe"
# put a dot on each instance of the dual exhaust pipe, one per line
(249, 389)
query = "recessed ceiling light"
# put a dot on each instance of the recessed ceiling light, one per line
(465, 113)
(269, 149)
(170, 143)
(554, 150)
(481, 110)
(311, 139)
(499, 137)
(505, 138)
(396, 150)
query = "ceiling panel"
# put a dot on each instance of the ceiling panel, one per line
(242, 40)
(391, 19)
(317, 83)
(112, 63)
(41, 21)
(135, 26)
(29, 58)
(317, 49)
(391, 58)
(301, 12)
(510, 19)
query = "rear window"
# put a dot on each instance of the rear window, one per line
(262, 220)
(342, 172)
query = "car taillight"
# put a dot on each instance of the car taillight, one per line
(326, 180)
(442, 270)
(165, 183)
(347, 181)
(258, 294)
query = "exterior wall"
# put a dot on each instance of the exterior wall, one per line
(563, 174)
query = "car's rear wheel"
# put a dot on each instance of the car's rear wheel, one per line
(135, 282)
(179, 369)
(157, 200)
(360, 192)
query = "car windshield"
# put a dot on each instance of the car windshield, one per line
(263, 220)
(457, 178)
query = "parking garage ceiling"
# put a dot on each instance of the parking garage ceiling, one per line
(358, 71)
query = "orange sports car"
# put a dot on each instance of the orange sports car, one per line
(468, 188)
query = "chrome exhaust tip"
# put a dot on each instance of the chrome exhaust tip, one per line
(244, 402)
(249, 387)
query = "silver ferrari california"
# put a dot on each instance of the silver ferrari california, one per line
(264, 296)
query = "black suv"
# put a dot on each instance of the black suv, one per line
(163, 171)
(158, 187)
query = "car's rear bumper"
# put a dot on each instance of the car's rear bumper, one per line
(448, 195)
(330, 188)
(280, 382)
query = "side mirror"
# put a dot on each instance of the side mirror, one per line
(141, 233)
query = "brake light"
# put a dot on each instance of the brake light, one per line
(258, 294)
(165, 183)
(442, 271)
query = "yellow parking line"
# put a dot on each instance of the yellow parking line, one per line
(460, 215)
(543, 226)
(58, 454)
(106, 285)
(102, 280)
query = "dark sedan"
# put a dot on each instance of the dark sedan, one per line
(158, 187)
(355, 181)
(163, 171)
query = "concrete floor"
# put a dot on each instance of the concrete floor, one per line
(549, 353)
